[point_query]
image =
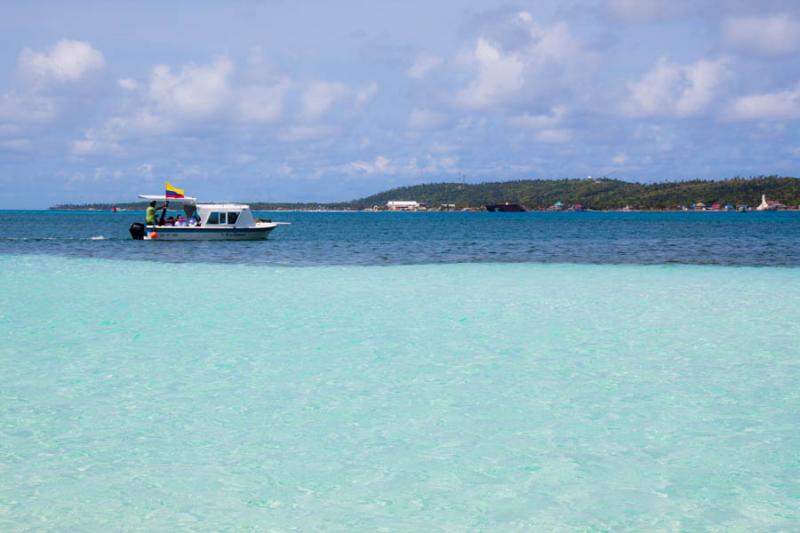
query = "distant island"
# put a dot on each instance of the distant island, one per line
(543, 194)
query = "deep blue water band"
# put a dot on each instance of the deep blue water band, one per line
(746, 239)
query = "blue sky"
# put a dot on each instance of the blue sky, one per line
(325, 101)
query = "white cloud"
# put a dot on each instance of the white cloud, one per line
(128, 84)
(145, 169)
(446, 163)
(659, 10)
(537, 60)
(107, 174)
(471, 123)
(320, 96)
(164, 104)
(525, 17)
(443, 148)
(620, 158)
(781, 105)
(34, 99)
(27, 107)
(547, 126)
(363, 95)
(142, 122)
(197, 92)
(638, 10)
(262, 103)
(670, 89)
(555, 135)
(86, 146)
(305, 133)
(555, 45)
(92, 144)
(433, 164)
(182, 99)
(499, 76)
(526, 120)
(423, 64)
(176, 99)
(380, 165)
(67, 60)
(773, 34)
(655, 137)
(424, 119)
(93, 176)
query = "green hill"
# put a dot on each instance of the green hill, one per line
(602, 193)
(595, 193)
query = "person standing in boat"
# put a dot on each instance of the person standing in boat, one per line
(150, 213)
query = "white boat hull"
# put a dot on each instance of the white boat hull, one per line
(194, 233)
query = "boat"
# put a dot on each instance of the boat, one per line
(224, 221)
(505, 208)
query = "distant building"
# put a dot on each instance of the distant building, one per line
(402, 205)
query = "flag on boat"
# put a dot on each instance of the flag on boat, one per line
(172, 192)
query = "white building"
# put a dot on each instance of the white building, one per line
(402, 205)
(769, 205)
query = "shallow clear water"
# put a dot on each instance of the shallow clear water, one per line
(765, 239)
(480, 397)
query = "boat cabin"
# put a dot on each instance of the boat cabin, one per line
(223, 215)
(214, 215)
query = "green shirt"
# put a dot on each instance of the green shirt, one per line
(150, 216)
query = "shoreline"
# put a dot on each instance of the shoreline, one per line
(466, 210)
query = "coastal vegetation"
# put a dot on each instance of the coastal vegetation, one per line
(601, 193)
(592, 193)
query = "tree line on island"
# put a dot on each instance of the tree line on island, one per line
(592, 193)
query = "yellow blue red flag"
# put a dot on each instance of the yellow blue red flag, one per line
(172, 192)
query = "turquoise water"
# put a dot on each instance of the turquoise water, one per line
(457, 397)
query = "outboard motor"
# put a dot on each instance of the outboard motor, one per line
(137, 231)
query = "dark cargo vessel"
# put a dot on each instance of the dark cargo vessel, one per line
(505, 208)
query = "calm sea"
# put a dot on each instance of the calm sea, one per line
(765, 239)
(422, 372)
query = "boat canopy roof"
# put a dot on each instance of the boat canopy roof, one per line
(162, 198)
(193, 201)
(223, 207)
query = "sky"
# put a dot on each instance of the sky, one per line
(328, 101)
